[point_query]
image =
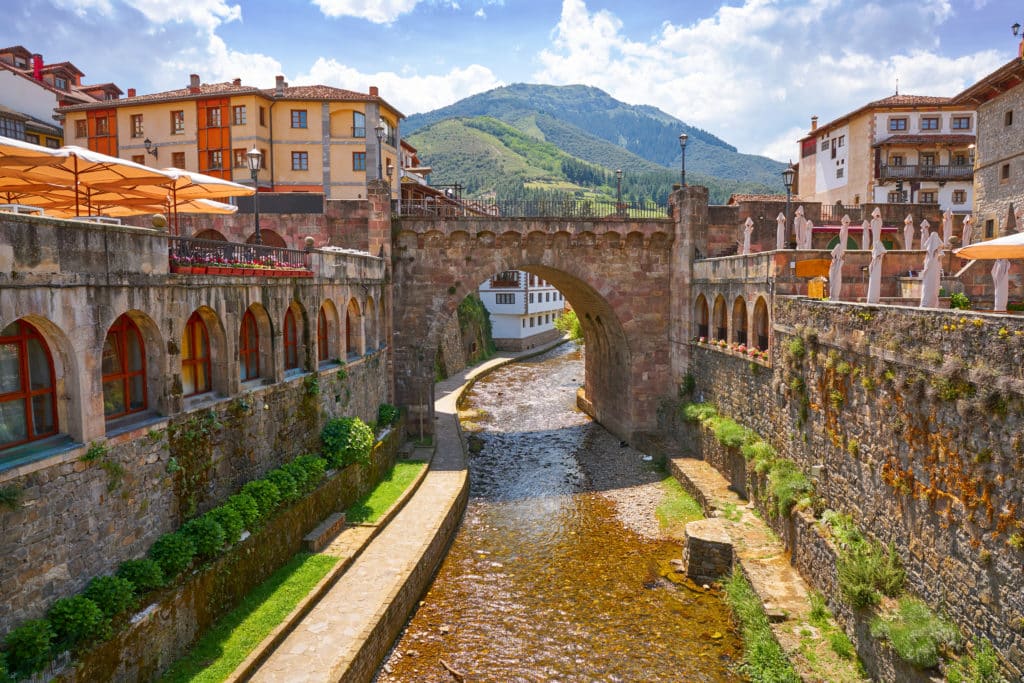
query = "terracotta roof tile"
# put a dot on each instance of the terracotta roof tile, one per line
(909, 101)
(946, 139)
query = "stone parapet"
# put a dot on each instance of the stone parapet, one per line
(707, 553)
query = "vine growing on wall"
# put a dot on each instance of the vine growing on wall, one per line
(99, 454)
(191, 452)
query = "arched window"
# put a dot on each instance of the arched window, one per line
(370, 325)
(249, 348)
(195, 358)
(739, 320)
(124, 369)
(28, 400)
(721, 319)
(353, 333)
(761, 324)
(291, 342)
(322, 348)
(701, 316)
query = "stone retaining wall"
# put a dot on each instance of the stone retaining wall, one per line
(169, 626)
(915, 419)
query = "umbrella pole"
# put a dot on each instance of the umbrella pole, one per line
(77, 211)
(174, 194)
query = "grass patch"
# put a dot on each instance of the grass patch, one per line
(982, 666)
(236, 635)
(371, 506)
(918, 635)
(764, 659)
(678, 506)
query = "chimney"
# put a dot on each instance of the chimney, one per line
(37, 67)
(193, 83)
(237, 82)
(814, 123)
(374, 92)
(279, 86)
(131, 92)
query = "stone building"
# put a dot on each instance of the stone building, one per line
(999, 161)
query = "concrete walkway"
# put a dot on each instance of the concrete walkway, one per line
(347, 634)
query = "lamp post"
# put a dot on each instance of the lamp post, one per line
(682, 170)
(618, 192)
(380, 143)
(787, 180)
(150, 147)
(254, 157)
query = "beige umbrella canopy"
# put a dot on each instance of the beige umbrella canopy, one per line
(1008, 247)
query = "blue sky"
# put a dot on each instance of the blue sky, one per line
(750, 71)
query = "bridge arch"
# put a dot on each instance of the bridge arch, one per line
(618, 287)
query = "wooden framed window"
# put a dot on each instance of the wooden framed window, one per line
(1004, 173)
(358, 161)
(929, 123)
(961, 123)
(928, 159)
(81, 128)
(137, 126)
(300, 161)
(299, 118)
(124, 369)
(263, 116)
(215, 160)
(28, 398)
(102, 125)
(322, 347)
(178, 159)
(32, 137)
(928, 197)
(895, 159)
(249, 348)
(959, 196)
(897, 124)
(358, 124)
(238, 115)
(291, 342)
(195, 358)
(824, 144)
(238, 158)
(213, 117)
(139, 159)
(178, 122)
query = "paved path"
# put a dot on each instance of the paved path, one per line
(329, 643)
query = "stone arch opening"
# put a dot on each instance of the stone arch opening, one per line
(211, 234)
(261, 348)
(761, 326)
(370, 316)
(739, 320)
(296, 338)
(721, 320)
(327, 333)
(268, 238)
(700, 317)
(353, 330)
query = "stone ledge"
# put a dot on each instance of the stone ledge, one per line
(324, 533)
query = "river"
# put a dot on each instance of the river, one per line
(554, 574)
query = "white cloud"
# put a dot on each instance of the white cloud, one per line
(409, 92)
(748, 71)
(480, 13)
(376, 11)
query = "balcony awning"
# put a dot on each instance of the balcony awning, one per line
(954, 140)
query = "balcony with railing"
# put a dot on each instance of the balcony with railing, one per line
(189, 256)
(940, 172)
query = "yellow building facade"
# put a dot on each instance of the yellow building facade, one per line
(313, 138)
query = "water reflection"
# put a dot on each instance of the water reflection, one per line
(543, 582)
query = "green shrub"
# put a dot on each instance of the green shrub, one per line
(699, 412)
(112, 593)
(758, 450)
(732, 434)
(206, 534)
(867, 571)
(889, 576)
(4, 676)
(346, 440)
(387, 415)
(230, 520)
(982, 666)
(145, 574)
(173, 552)
(75, 620)
(916, 633)
(843, 529)
(314, 467)
(959, 300)
(29, 647)
(301, 477)
(787, 484)
(285, 483)
(246, 507)
(795, 348)
(841, 645)
(264, 494)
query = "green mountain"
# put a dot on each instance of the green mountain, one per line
(491, 158)
(592, 126)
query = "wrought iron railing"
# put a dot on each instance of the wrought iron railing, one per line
(188, 251)
(833, 213)
(927, 171)
(555, 208)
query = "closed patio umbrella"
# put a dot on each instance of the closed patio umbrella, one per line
(1001, 281)
(931, 273)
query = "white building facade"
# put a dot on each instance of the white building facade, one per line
(523, 309)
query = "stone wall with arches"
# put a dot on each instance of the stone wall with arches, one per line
(102, 349)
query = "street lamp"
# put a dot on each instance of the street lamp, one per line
(1016, 29)
(254, 157)
(380, 143)
(787, 180)
(618, 191)
(682, 171)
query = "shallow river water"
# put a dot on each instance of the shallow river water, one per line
(544, 580)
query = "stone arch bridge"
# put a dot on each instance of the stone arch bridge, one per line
(623, 277)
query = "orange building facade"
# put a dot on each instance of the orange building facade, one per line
(313, 138)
